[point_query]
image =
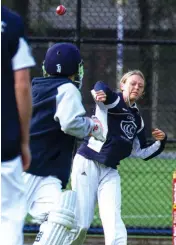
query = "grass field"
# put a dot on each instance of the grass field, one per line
(146, 192)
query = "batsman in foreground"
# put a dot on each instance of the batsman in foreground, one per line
(94, 176)
(16, 110)
(58, 117)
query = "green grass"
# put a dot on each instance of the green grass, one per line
(146, 192)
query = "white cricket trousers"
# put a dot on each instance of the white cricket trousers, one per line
(42, 194)
(13, 202)
(95, 182)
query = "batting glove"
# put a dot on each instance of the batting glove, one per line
(97, 131)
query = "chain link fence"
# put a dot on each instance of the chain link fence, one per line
(116, 36)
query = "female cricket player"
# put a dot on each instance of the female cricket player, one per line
(95, 177)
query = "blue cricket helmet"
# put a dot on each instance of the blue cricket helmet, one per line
(62, 59)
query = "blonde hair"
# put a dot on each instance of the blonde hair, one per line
(131, 73)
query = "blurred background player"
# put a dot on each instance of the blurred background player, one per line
(58, 117)
(15, 118)
(94, 175)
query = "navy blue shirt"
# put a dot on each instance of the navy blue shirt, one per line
(123, 129)
(11, 59)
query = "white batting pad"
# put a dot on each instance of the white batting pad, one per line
(56, 229)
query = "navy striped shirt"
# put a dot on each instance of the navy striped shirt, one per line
(123, 129)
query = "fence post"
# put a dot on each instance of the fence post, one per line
(78, 23)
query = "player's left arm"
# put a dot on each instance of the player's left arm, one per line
(147, 151)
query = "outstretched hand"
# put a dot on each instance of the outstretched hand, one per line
(158, 134)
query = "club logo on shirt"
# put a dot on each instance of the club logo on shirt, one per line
(129, 128)
(131, 118)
